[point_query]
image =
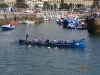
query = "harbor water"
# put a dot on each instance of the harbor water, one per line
(18, 59)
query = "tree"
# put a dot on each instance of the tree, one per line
(21, 5)
(93, 6)
(36, 6)
(55, 6)
(51, 7)
(3, 5)
(46, 5)
(71, 5)
(79, 5)
(64, 6)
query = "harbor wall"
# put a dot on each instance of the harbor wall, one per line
(5, 18)
(93, 25)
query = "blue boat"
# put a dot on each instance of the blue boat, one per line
(7, 27)
(71, 26)
(57, 21)
(60, 22)
(80, 43)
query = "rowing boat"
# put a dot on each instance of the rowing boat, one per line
(80, 43)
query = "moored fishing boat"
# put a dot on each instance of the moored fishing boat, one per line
(14, 23)
(7, 27)
(71, 26)
(82, 25)
(80, 43)
(28, 22)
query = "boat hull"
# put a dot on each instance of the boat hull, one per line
(71, 26)
(7, 28)
(14, 23)
(77, 44)
(28, 22)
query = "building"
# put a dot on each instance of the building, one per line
(57, 2)
(32, 3)
(1, 1)
(40, 3)
(74, 2)
(84, 2)
(10, 3)
(88, 2)
(96, 2)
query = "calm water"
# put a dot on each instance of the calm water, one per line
(18, 59)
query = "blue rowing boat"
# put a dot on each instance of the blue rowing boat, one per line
(80, 43)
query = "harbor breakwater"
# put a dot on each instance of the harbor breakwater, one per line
(5, 18)
(93, 25)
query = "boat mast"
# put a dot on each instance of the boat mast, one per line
(31, 6)
(51, 4)
(72, 7)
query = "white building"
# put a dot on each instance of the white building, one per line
(10, 3)
(44, 0)
(32, 3)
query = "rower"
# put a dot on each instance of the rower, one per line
(47, 41)
(74, 41)
(66, 41)
(54, 41)
(35, 40)
(41, 40)
(27, 37)
(61, 41)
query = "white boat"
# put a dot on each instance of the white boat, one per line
(28, 22)
(71, 26)
(7, 27)
(45, 18)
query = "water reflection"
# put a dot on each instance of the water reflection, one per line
(95, 35)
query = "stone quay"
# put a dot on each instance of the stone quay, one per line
(7, 17)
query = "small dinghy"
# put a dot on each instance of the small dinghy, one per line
(71, 26)
(7, 27)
